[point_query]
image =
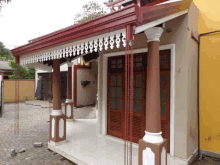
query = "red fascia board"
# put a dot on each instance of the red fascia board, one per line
(114, 26)
(53, 33)
(107, 21)
(151, 13)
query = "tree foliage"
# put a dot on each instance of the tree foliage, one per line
(91, 11)
(3, 1)
(5, 54)
(21, 72)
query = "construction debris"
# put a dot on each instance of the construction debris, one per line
(37, 144)
(22, 150)
(13, 153)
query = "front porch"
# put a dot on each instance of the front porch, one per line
(85, 146)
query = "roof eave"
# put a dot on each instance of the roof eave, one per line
(107, 23)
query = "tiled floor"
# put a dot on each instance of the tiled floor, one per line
(86, 146)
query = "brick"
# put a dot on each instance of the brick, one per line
(37, 144)
(13, 153)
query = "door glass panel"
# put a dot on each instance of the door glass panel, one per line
(138, 65)
(138, 94)
(163, 110)
(138, 106)
(119, 65)
(113, 104)
(162, 57)
(138, 80)
(119, 80)
(163, 94)
(113, 80)
(138, 59)
(113, 66)
(119, 61)
(112, 92)
(163, 62)
(119, 92)
(119, 104)
(134, 81)
(163, 80)
(113, 61)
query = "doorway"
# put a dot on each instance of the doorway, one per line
(116, 96)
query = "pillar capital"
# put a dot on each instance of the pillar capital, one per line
(69, 64)
(154, 34)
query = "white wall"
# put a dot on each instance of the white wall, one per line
(87, 95)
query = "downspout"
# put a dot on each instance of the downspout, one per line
(198, 42)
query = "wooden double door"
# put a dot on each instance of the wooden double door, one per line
(116, 96)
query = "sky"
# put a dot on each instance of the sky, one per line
(23, 20)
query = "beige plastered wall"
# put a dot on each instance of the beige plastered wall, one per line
(185, 78)
(26, 88)
(87, 95)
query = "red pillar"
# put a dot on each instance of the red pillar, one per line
(69, 101)
(17, 60)
(153, 148)
(57, 118)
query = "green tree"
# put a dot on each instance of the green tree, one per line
(3, 1)
(21, 72)
(5, 54)
(91, 11)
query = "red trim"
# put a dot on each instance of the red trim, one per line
(75, 81)
(129, 32)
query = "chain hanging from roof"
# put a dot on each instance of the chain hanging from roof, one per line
(86, 46)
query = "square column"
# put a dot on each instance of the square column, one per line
(153, 148)
(57, 118)
(69, 101)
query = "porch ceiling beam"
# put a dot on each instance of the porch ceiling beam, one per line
(144, 27)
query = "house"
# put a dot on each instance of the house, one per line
(164, 119)
(84, 96)
(5, 70)
(209, 58)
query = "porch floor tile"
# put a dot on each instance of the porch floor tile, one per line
(86, 146)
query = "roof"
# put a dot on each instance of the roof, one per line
(4, 66)
(131, 14)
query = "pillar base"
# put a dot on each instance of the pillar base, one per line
(69, 120)
(57, 128)
(152, 153)
(69, 110)
(57, 143)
